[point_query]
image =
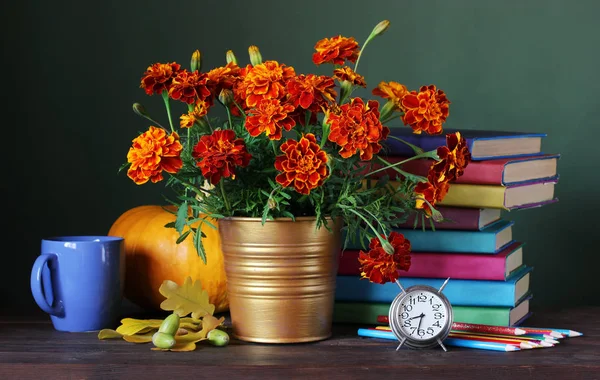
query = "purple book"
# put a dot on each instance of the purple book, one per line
(483, 145)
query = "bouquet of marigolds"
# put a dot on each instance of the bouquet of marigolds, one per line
(289, 144)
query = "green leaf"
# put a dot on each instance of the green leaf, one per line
(182, 237)
(199, 246)
(181, 220)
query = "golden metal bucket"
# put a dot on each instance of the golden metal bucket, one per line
(280, 278)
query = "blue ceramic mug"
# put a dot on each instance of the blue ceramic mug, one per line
(79, 280)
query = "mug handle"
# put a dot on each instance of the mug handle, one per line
(36, 285)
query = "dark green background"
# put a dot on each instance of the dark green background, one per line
(71, 72)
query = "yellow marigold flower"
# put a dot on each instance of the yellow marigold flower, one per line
(200, 110)
(392, 91)
(151, 153)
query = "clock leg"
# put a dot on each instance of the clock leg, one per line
(442, 344)
(401, 343)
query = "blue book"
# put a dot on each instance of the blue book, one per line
(459, 292)
(490, 240)
(483, 145)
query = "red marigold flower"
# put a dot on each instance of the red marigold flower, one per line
(200, 110)
(379, 266)
(336, 50)
(393, 91)
(189, 87)
(303, 165)
(219, 154)
(158, 77)
(454, 157)
(264, 81)
(347, 74)
(270, 116)
(152, 152)
(311, 91)
(356, 127)
(426, 110)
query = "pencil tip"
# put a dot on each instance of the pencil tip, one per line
(575, 333)
(546, 344)
(519, 331)
(512, 348)
(556, 334)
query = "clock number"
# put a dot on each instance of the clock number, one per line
(436, 307)
(407, 307)
(413, 330)
(404, 315)
(438, 315)
(431, 300)
(411, 300)
(407, 323)
(421, 298)
(437, 324)
(421, 332)
(430, 330)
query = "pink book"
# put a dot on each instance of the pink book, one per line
(458, 218)
(466, 266)
(504, 171)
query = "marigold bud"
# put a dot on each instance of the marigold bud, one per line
(230, 57)
(139, 110)
(226, 96)
(255, 57)
(380, 28)
(196, 63)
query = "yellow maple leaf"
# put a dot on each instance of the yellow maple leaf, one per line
(186, 299)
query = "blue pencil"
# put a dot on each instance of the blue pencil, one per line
(383, 334)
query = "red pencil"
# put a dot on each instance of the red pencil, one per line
(475, 328)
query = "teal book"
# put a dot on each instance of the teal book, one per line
(490, 240)
(458, 291)
(372, 313)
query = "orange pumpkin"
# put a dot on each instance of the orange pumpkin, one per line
(152, 256)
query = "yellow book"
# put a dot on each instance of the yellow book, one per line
(519, 196)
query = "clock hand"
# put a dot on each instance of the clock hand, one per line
(420, 320)
(418, 316)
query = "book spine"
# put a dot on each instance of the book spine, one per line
(488, 172)
(458, 292)
(439, 265)
(459, 218)
(367, 313)
(450, 241)
(474, 196)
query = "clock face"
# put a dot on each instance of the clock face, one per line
(422, 315)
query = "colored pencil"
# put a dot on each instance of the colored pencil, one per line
(382, 334)
(539, 331)
(473, 327)
(565, 332)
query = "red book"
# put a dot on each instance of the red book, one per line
(458, 218)
(504, 171)
(466, 266)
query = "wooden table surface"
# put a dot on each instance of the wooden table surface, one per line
(32, 349)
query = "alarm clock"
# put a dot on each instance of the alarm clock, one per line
(421, 316)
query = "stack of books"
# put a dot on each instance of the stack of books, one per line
(474, 246)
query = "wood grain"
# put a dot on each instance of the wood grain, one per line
(32, 349)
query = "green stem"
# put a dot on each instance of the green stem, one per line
(165, 96)
(414, 147)
(274, 147)
(189, 186)
(393, 166)
(229, 116)
(390, 119)
(384, 243)
(224, 196)
(209, 125)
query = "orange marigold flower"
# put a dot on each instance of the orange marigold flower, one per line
(347, 74)
(379, 266)
(219, 154)
(222, 77)
(200, 110)
(426, 110)
(432, 191)
(189, 87)
(393, 91)
(158, 77)
(303, 165)
(455, 157)
(151, 153)
(265, 81)
(336, 50)
(311, 91)
(356, 127)
(270, 116)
